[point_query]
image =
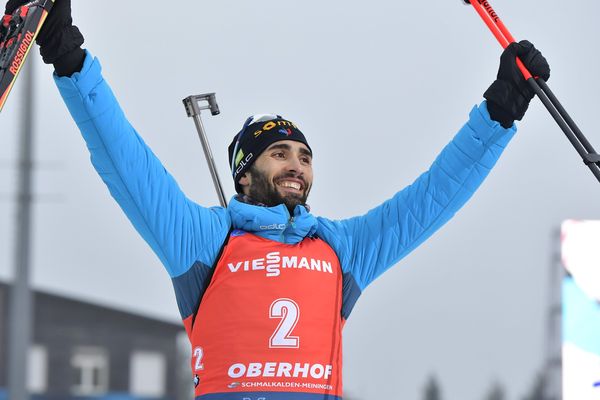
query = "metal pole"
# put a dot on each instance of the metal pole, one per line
(193, 110)
(20, 317)
(211, 162)
(553, 364)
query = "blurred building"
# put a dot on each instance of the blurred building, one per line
(580, 256)
(82, 350)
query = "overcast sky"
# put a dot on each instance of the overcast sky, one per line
(378, 88)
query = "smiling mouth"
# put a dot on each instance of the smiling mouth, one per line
(290, 185)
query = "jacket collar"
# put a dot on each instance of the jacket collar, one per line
(272, 223)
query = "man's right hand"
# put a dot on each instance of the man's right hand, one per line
(60, 41)
(509, 95)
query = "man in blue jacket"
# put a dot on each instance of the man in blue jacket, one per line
(263, 286)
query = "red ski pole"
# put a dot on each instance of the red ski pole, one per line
(558, 112)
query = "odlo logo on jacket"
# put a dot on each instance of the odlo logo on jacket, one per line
(273, 262)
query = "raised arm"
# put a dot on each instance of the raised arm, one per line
(370, 244)
(179, 231)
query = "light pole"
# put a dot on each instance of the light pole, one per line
(20, 317)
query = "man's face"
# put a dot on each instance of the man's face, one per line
(281, 174)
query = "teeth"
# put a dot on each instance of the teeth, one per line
(293, 185)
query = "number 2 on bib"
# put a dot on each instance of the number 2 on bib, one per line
(289, 312)
(198, 354)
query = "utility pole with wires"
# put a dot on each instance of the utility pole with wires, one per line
(21, 309)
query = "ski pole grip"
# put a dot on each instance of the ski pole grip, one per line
(523, 69)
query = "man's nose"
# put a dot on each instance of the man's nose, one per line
(294, 164)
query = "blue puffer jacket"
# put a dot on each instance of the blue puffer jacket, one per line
(187, 237)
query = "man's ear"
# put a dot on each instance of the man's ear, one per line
(244, 180)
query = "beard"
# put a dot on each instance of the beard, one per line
(265, 191)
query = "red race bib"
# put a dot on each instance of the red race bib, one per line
(270, 320)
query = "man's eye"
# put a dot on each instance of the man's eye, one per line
(305, 160)
(279, 154)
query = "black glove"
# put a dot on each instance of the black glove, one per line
(509, 96)
(60, 41)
